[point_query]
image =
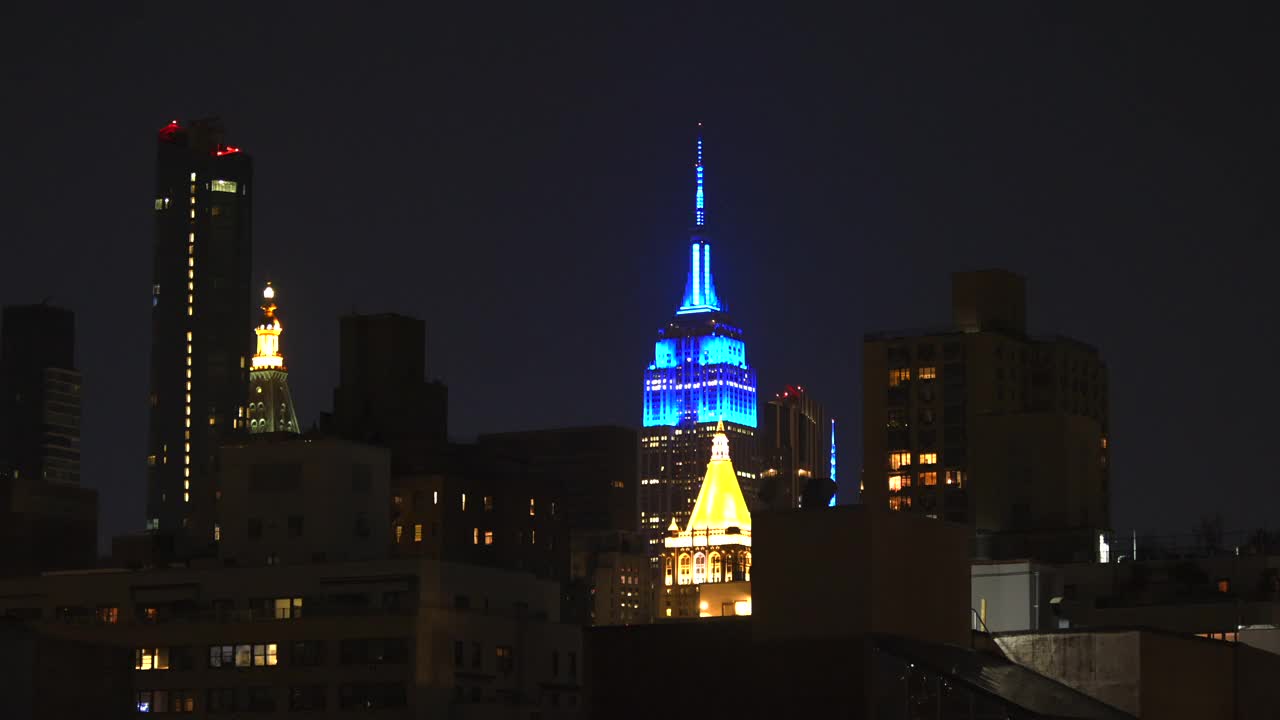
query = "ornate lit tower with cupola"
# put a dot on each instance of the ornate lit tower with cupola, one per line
(699, 377)
(706, 568)
(270, 403)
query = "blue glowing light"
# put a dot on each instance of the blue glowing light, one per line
(833, 463)
(700, 377)
(699, 199)
(696, 273)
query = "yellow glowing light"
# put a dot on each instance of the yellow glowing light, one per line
(720, 503)
(704, 605)
(268, 356)
(742, 607)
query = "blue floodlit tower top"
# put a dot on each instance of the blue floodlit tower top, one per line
(699, 289)
(833, 463)
(699, 372)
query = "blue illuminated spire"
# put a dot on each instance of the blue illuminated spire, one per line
(699, 198)
(700, 289)
(833, 463)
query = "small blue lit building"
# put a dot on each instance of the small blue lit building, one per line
(699, 376)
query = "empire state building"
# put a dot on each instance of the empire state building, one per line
(699, 377)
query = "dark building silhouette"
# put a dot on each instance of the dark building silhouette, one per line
(383, 396)
(202, 309)
(591, 472)
(47, 520)
(40, 407)
(795, 447)
(981, 423)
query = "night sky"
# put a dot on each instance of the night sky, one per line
(521, 178)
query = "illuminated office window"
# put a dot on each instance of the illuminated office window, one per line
(417, 532)
(699, 568)
(899, 459)
(227, 186)
(686, 569)
(928, 373)
(475, 536)
(929, 458)
(898, 376)
(399, 531)
(929, 478)
(488, 537)
(151, 659)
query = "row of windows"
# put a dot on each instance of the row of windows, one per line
(356, 696)
(694, 570)
(899, 481)
(900, 376)
(899, 459)
(304, 653)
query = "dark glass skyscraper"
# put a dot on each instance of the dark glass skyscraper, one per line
(49, 520)
(796, 448)
(699, 376)
(202, 310)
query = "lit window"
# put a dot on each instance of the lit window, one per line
(929, 478)
(955, 477)
(746, 565)
(1224, 585)
(475, 536)
(108, 615)
(464, 501)
(227, 186)
(488, 537)
(417, 532)
(287, 609)
(899, 460)
(264, 655)
(488, 503)
(669, 575)
(531, 513)
(699, 569)
(151, 659)
(1104, 442)
(717, 567)
(930, 458)
(897, 482)
(217, 532)
(927, 373)
(898, 376)
(686, 569)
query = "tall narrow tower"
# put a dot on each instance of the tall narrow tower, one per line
(699, 376)
(201, 304)
(270, 402)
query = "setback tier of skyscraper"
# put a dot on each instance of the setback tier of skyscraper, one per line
(699, 376)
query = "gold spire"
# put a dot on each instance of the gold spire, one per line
(268, 356)
(720, 504)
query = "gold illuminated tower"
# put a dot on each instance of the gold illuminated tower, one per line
(270, 404)
(707, 566)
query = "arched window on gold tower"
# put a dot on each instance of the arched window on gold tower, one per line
(717, 567)
(670, 579)
(746, 565)
(699, 568)
(685, 569)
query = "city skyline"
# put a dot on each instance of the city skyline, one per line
(1107, 189)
